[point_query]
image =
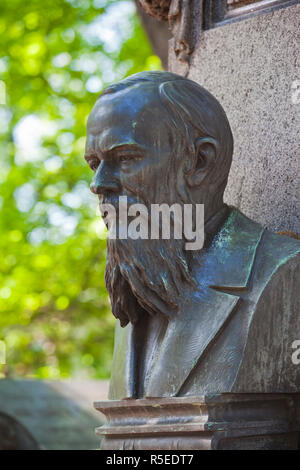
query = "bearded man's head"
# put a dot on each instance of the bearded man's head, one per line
(156, 138)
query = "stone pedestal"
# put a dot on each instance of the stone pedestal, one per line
(209, 422)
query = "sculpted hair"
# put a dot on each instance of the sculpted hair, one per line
(194, 113)
(149, 277)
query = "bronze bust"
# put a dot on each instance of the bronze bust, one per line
(219, 319)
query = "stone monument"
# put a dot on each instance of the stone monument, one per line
(204, 343)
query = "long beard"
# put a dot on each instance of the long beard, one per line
(146, 276)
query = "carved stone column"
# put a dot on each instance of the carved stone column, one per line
(185, 19)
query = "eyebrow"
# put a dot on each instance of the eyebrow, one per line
(124, 147)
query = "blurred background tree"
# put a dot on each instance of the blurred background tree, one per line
(55, 58)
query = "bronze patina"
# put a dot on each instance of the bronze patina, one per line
(218, 320)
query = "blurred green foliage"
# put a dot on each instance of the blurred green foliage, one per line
(55, 57)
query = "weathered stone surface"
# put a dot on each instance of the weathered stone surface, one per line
(59, 415)
(157, 8)
(250, 67)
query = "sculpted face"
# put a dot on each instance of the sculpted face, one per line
(128, 146)
(157, 139)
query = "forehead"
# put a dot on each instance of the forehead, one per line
(132, 115)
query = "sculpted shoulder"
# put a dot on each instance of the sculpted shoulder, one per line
(279, 249)
(267, 358)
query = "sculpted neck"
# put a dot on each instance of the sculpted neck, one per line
(211, 228)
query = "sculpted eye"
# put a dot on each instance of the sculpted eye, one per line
(127, 158)
(94, 164)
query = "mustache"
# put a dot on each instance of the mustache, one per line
(114, 200)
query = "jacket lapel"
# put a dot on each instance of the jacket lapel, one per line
(224, 273)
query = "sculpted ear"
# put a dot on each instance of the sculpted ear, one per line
(207, 149)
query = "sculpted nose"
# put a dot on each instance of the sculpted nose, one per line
(105, 180)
